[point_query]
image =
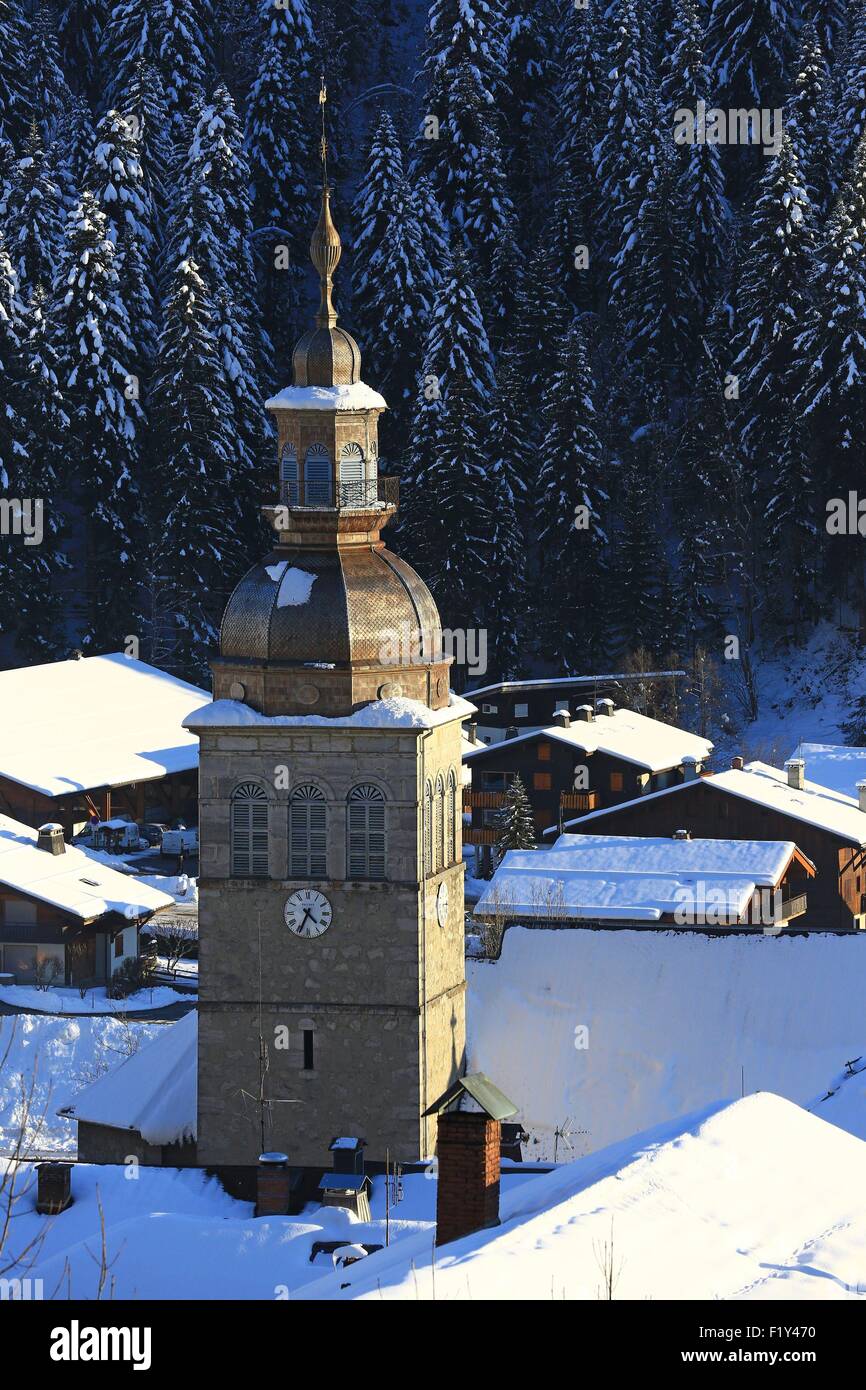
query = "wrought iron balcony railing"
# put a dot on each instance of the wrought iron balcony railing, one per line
(370, 494)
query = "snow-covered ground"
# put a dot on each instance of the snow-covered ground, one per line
(95, 1001)
(733, 1203)
(672, 1023)
(57, 1056)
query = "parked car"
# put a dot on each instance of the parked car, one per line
(116, 836)
(180, 841)
(153, 831)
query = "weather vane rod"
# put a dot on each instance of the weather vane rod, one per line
(323, 97)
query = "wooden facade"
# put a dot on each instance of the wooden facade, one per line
(546, 766)
(162, 799)
(837, 897)
(86, 952)
(525, 705)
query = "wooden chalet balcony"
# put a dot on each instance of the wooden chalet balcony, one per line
(578, 801)
(480, 835)
(794, 907)
(482, 801)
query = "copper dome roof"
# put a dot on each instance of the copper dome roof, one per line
(342, 607)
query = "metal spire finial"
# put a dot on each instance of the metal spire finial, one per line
(325, 245)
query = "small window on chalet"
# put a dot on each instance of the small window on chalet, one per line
(494, 781)
(489, 709)
(521, 711)
(544, 752)
(541, 781)
(560, 704)
(616, 781)
(118, 945)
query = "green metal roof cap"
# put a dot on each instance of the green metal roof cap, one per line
(482, 1091)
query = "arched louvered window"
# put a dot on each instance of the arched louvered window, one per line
(249, 831)
(428, 828)
(317, 477)
(308, 834)
(439, 825)
(451, 847)
(365, 833)
(289, 476)
(351, 476)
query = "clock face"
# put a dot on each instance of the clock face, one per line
(308, 913)
(442, 904)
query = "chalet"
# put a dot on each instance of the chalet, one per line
(597, 759)
(518, 707)
(618, 881)
(759, 802)
(97, 736)
(65, 914)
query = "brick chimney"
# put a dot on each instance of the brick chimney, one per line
(273, 1185)
(796, 770)
(469, 1152)
(737, 762)
(50, 838)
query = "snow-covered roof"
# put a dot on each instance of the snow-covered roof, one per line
(357, 396)
(153, 1092)
(648, 743)
(768, 786)
(78, 881)
(700, 1207)
(633, 878)
(833, 765)
(394, 713)
(100, 721)
(549, 682)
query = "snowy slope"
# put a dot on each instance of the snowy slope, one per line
(732, 1203)
(671, 1021)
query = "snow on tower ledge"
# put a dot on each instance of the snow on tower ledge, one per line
(379, 714)
(356, 396)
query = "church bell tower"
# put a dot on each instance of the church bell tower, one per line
(331, 876)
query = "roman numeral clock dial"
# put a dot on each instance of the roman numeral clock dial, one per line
(308, 913)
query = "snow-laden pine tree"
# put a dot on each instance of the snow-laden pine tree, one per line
(578, 91)
(44, 429)
(277, 147)
(638, 563)
(434, 232)
(143, 106)
(91, 335)
(528, 55)
(544, 313)
(70, 153)
(11, 328)
(621, 145)
(570, 502)
(832, 348)
(750, 49)
(505, 584)
(16, 71)
(706, 213)
(651, 290)
(196, 554)
(515, 822)
(171, 35)
(807, 118)
(52, 96)
(447, 496)
(34, 217)
(470, 31)
(850, 74)
(380, 187)
(116, 178)
(79, 28)
(772, 303)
